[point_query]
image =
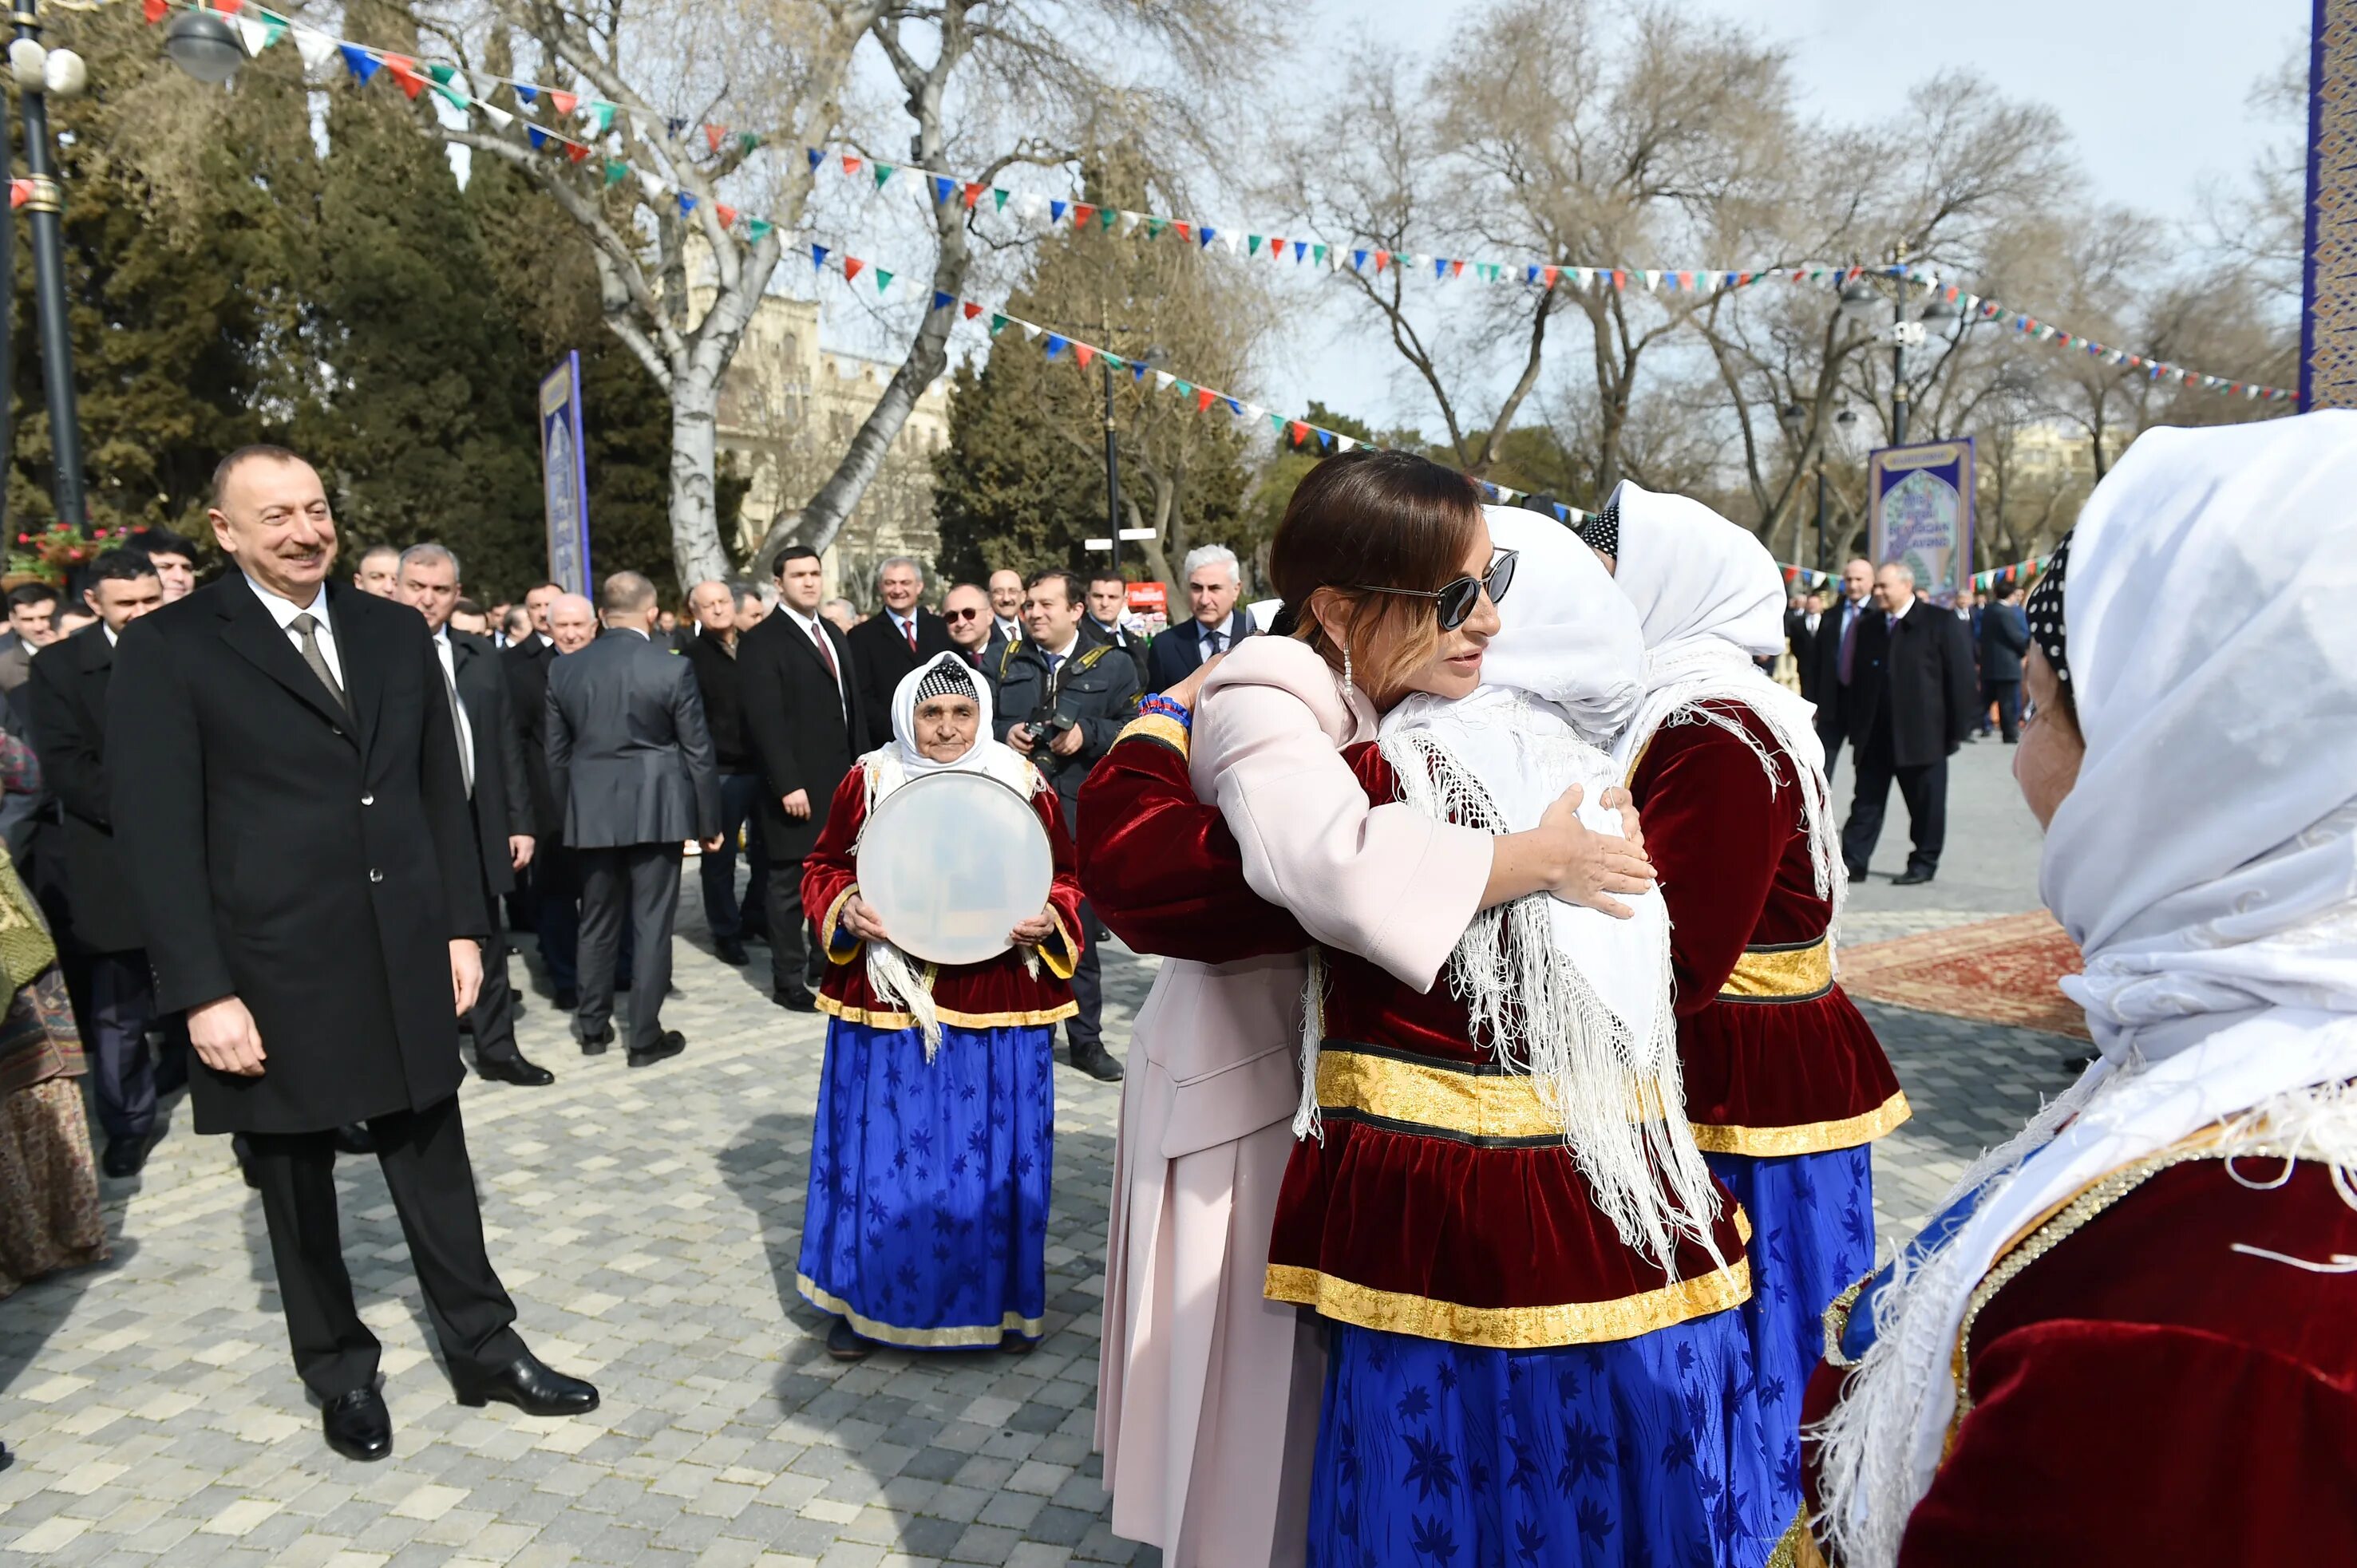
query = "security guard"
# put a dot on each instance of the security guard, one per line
(1061, 701)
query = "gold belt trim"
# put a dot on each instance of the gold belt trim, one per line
(876, 1018)
(1466, 1102)
(1781, 971)
(1512, 1327)
(1159, 727)
(1808, 1137)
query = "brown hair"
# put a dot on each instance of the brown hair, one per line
(1386, 519)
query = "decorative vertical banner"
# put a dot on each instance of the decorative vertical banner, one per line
(564, 476)
(2328, 329)
(1919, 512)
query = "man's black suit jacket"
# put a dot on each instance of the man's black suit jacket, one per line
(628, 753)
(804, 734)
(2005, 640)
(1177, 652)
(527, 665)
(502, 797)
(1923, 666)
(1824, 658)
(313, 859)
(883, 657)
(67, 698)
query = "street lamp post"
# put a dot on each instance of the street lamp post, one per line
(40, 72)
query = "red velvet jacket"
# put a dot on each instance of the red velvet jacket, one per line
(1777, 1060)
(999, 993)
(2142, 1393)
(1442, 1201)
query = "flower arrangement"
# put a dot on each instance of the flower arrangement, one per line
(53, 553)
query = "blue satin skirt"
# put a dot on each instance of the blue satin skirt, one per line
(1811, 1238)
(1644, 1451)
(927, 1219)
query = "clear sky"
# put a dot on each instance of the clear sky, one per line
(2152, 92)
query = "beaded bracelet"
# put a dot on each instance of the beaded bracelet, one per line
(1157, 702)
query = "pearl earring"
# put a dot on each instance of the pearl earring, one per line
(1346, 668)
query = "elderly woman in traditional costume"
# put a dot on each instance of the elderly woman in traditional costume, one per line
(2130, 1335)
(927, 1221)
(1786, 1086)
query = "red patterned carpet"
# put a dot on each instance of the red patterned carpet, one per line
(1997, 971)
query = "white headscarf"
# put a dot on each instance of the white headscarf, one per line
(1577, 999)
(2206, 860)
(1710, 600)
(896, 982)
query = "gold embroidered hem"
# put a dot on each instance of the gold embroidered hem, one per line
(876, 1018)
(977, 1338)
(1799, 1547)
(831, 929)
(1061, 959)
(1160, 728)
(1809, 1137)
(1512, 1327)
(1837, 1322)
(1781, 971)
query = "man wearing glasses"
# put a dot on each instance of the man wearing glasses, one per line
(974, 629)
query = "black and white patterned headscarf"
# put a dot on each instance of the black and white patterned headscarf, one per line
(1601, 531)
(944, 680)
(2044, 611)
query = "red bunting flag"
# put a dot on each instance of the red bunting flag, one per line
(972, 310)
(156, 9)
(1550, 273)
(726, 214)
(1184, 230)
(851, 265)
(974, 189)
(1620, 278)
(712, 135)
(228, 7)
(1300, 432)
(1082, 215)
(1457, 269)
(850, 164)
(1382, 260)
(564, 103)
(404, 71)
(1203, 396)
(1276, 250)
(1083, 353)
(577, 151)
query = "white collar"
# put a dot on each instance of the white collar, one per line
(284, 611)
(111, 639)
(808, 623)
(1061, 654)
(1900, 613)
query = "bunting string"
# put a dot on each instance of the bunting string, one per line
(2020, 572)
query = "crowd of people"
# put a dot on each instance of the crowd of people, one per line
(1493, 1181)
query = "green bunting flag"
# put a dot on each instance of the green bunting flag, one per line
(748, 140)
(601, 115)
(883, 280)
(1001, 196)
(449, 86)
(757, 229)
(998, 324)
(883, 172)
(617, 171)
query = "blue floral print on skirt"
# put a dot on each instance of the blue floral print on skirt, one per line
(927, 1219)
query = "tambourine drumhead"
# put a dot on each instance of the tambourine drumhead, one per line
(952, 862)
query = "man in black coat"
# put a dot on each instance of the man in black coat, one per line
(1214, 582)
(890, 643)
(498, 794)
(804, 717)
(720, 607)
(1062, 701)
(1834, 651)
(67, 695)
(1912, 694)
(287, 795)
(2005, 640)
(526, 663)
(630, 756)
(1801, 629)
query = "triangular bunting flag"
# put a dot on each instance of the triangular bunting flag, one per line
(599, 115)
(535, 135)
(449, 86)
(1344, 443)
(1203, 396)
(1205, 234)
(943, 301)
(1001, 194)
(258, 34)
(154, 10)
(500, 118)
(748, 140)
(1107, 217)
(851, 265)
(1056, 210)
(883, 280)
(526, 92)
(943, 188)
(317, 49)
(404, 71)
(971, 310)
(1358, 260)
(757, 229)
(686, 204)
(815, 157)
(361, 63)
(652, 187)
(1251, 244)
(818, 255)
(617, 171)
(578, 152)
(1083, 353)
(1031, 330)
(564, 103)
(973, 190)
(1163, 380)
(1082, 215)
(712, 138)
(850, 163)
(998, 324)
(1300, 432)
(883, 172)
(725, 213)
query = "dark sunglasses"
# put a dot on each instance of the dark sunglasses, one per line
(962, 615)
(1456, 600)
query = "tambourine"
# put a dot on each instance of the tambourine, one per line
(952, 862)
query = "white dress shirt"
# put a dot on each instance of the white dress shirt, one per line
(283, 611)
(906, 625)
(457, 709)
(812, 633)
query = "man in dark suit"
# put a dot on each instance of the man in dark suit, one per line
(890, 643)
(2005, 640)
(1213, 583)
(630, 756)
(1835, 653)
(803, 713)
(68, 700)
(720, 609)
(1801, 628)
(287, 796)
(965, 610)
(526, 661)
(1108, 604)
(1911, 690)
(498, 793)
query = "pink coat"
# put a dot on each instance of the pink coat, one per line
(1206, 1399)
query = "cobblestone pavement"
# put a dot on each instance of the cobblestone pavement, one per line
(646, 1221)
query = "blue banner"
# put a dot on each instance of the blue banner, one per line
(1919, 512)
(564, 476)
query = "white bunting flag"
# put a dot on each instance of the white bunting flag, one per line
(500, 118)
(317, 49)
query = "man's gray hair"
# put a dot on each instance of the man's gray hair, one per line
(741, 592)
(428, 551)
(1204, 555)
(1903, 569)
(911, 561)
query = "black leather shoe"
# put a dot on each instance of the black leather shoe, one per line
(1910, 877)
(673, 1042)
(515, 1069)
(358, 1425)
(845, 1343)
(1858, 874)
(595, 1044)
(731, 951)
(123, 1157)
(354, 1138)
(529, 1384)
(1097, 1062)
(567, 998)
(794, 1000)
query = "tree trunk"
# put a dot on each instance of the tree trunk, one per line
(696, 550)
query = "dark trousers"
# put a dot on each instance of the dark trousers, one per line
(423, 1156)
(121, 1011)
(1924, 788)
(491, 1020)
(727, 915)
(637, 883)
(794, 957)
(556, 913)
(1086, 1028)
(1831, 727)
(2007, 695)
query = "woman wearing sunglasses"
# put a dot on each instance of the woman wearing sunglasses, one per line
(1489, 1327)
